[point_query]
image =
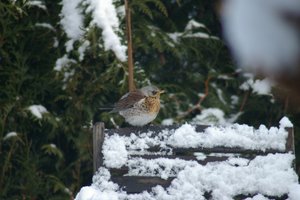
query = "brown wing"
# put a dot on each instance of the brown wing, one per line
(128, 100)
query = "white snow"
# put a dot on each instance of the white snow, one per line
(265, 41)
(55, 43)
(71, 21)
(105, 17)
(167, 122)
(89, 193)
(220, 95)
(192, 24)
(210, 116)
(294, 192)
(10, 135)
(268, 175)
(82, 49)
(63, 62)
(36, 3)
(260, 87)
(45, 25)
(230, 136)
(285, 122)
(189, 32)
(243, 136)
(37, 110)
(162, 167)
(234, 100)
(115, 152)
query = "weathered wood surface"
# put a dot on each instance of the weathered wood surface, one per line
(98, 138)
(290, 147)
(290, 143)
(136, 184)
(155, 129)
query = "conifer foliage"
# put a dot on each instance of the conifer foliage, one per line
(61, 61)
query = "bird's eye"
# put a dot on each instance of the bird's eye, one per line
(154, 92)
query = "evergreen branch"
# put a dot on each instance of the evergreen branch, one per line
(162, 8)
(197, 106)
(145, 9)
(244, 100)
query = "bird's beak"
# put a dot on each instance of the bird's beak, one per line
(161, 91)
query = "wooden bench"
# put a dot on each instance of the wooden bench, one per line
(138, 184)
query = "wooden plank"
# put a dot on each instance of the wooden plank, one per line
(179, 151)
(242, 197)
(137, 184)
(125, 170)
(98, 138)
(155, 129)
(290, 143)
(187, 158)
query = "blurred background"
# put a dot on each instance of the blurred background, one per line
(56, 72)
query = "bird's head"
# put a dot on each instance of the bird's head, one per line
(152, 91)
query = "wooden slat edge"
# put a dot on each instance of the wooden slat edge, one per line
(290, 143)
(137, 184)
(156, 129)
(226, 150)
(186, 158)
(98, 138)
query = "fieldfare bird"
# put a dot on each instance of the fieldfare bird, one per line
(139, 107)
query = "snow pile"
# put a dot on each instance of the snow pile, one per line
(270, 175)
(285, 122)
(191, 31)
(260, 87)
(71, 21)
(266, 41)
(115, 152)
(37, 110)
(101, 189)
(265, 175)
(242, 136)
(73, 15)
(167, 122)
(105, 17)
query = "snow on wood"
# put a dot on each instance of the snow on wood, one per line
(285, 122)
(271, 174)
